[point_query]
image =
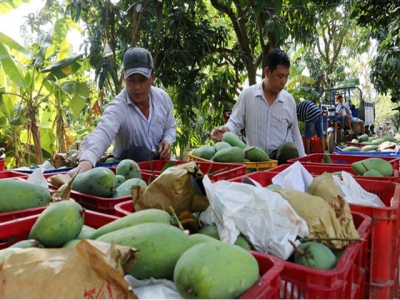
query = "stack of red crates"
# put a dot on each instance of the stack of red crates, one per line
(383, 251)
(315, 144)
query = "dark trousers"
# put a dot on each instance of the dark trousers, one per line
(139, 154)
(286, 151)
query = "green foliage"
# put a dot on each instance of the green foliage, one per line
(384, 27)
(8, 5)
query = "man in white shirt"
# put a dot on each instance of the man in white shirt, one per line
(343, 109)
(139, 119)
(268, 113)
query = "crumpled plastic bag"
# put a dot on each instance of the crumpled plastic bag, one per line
(354, 193)
(91, 269)
(36, 177)
(153, 288)
(294, 177)
(265, 218)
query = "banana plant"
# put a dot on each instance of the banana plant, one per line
(36, 94)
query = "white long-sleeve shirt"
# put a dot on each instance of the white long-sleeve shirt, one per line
(266, 126)
(123, 125)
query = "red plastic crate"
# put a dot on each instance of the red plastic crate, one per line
(16, 230)
(342, 159)
(345, 281)
(383, 249)
(216, 171)
(2, 164)
(123, 208)
(102, 204)
(315, 144)
(12, 174)
(269, 284)
(318, 169)
(16, 214)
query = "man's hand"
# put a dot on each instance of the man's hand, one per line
(82, 167)
(217, 132)
(164, 149)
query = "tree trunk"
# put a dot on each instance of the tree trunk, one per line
(36, 140)
(60, 133)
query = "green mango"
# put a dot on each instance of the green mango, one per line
(215, 270)
(326, 159)
(378, 141)
(20, 194)
(351, 148)
(198, 238)
(129, 169)
(232, 154)
(233, 140)
(205, 151)
(255, 154)
(373, 163)
(143, 216)
(98, 182)
(273, 186)
(125, 189)
(315, 255)
(212, 231)
(57, 224)
(363, 138)
(368, 148)
(27, 244)
(372, 173)
(160, 247)
(221, 145)
(71, 243)
(86, 232)
(119, 179)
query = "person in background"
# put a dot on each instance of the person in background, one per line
(343, 109)
(311, 115)
(267, 112)
(138, 120)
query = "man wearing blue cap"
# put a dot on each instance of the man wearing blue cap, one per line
(139, 119)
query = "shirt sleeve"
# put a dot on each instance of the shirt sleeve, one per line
(170, 125)
(236, 119)
(98, 141)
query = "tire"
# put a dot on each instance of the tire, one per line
(331, 142)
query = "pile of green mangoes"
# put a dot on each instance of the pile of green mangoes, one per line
(200, 266)
(102, 182)
(231, 149)
(371, 143)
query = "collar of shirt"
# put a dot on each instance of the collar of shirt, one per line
(259, 92)
(128, 100)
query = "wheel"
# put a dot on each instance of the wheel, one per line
(331, 142)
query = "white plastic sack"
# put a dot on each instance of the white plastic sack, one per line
(354, 193)
(37, 177)
(264, 217)
(153, 288)
(294, 177)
